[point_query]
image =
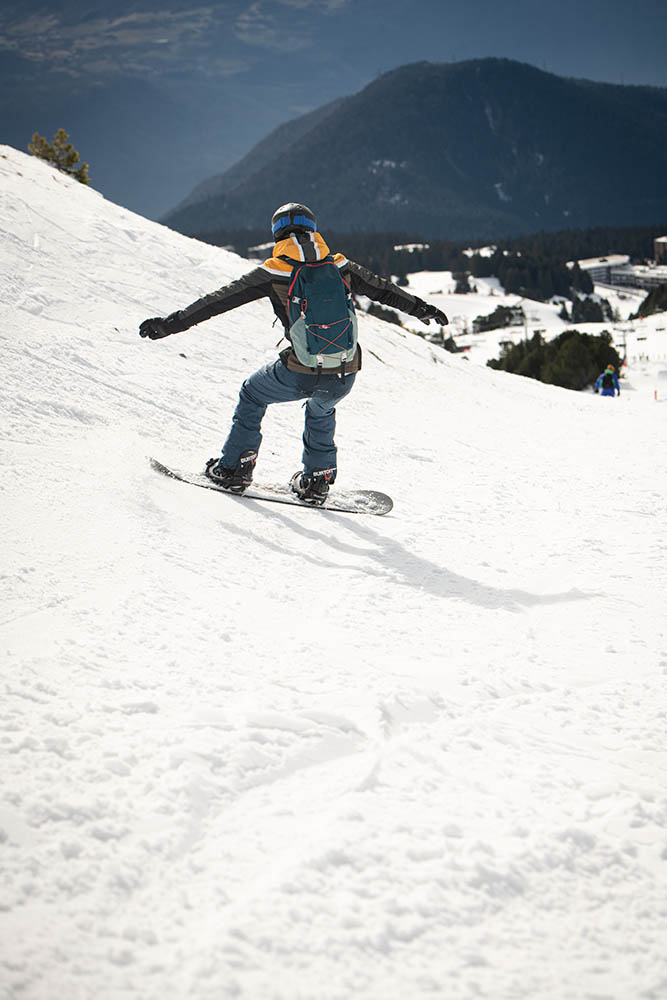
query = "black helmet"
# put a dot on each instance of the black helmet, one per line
(292, 218)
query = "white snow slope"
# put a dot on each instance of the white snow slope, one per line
(266, 752)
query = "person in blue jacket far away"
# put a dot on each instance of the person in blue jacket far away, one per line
(607, 383)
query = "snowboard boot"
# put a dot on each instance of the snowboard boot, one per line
(313, 487)
(235, 480)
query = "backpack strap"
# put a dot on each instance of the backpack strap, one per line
(300, 263)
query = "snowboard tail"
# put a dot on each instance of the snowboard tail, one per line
(344, 501)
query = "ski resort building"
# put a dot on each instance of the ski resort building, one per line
(646, 276)
(616, 269)
(660, 249)
(600, 268)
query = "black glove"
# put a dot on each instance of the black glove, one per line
(426, 312)
(153, 328)
(159, 327)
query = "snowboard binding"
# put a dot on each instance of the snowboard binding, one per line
(235, 480)
(313, 487)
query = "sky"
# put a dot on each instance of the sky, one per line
(259, 752)
(219, 76)
(603, 40)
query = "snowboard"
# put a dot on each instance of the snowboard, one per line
(344, 501)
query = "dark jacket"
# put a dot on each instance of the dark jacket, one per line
(271, 279)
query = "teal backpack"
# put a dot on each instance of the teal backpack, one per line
(322, 319)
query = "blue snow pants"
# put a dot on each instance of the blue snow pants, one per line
(275, 383)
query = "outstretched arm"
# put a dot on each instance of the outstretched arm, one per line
(365, 282)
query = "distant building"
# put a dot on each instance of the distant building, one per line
(504, 316)
(660, 249)
(599, 268)
(639, 276)
(616, 269)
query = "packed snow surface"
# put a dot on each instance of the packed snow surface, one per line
(266, 752)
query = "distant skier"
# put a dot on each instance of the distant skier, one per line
(311, 293)
(607, 383)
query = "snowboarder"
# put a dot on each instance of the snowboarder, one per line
(607, 383)
(321, 375)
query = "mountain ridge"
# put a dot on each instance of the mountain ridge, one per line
(479, 149)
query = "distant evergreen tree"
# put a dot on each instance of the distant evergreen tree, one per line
(655, 302)
(462, 283)
(570, 364)
(573, 360)
(510, 278)
(523, 256)
(564, 314)
(532, 361)
(483, 266)
(587, 310)
(580, 280)
(60, 153)
(577, 244)
(545, 281)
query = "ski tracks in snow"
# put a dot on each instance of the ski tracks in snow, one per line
(290, 754)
